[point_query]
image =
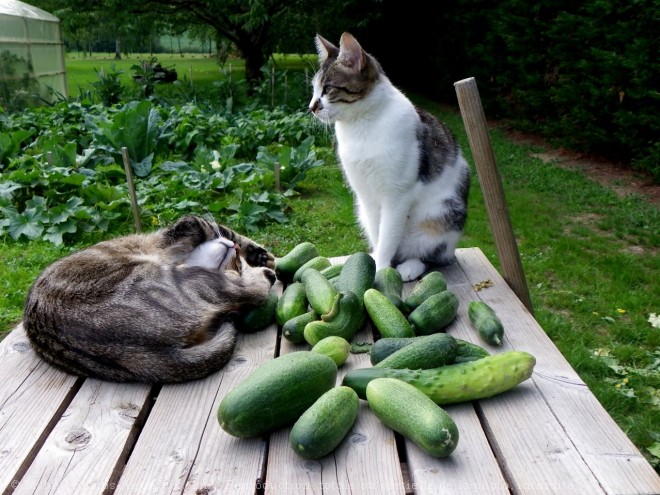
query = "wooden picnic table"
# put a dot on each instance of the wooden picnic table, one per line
(60, 434)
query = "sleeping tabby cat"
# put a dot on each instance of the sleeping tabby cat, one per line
(407, 172)
(152, 308)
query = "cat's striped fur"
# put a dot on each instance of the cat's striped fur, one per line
(151, 308)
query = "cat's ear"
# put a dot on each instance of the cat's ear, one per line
(351, 53)
(324, 48)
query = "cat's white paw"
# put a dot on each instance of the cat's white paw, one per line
(411, 269)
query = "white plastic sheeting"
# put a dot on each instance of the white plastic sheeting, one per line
(31, 50)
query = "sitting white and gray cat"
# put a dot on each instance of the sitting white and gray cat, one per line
(404, 166)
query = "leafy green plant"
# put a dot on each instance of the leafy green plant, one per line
(294, 162)
(109, 88)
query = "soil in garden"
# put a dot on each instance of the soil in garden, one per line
(617, 176)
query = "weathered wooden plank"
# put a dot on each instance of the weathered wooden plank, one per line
(472, 467)
(541, 452)
(365, 462)
(92, 437)
(32, 397)
(182, 448)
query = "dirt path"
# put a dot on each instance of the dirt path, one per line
(615, 176)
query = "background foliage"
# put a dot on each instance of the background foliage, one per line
(584, 73)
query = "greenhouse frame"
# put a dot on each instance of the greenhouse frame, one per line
(32, 65)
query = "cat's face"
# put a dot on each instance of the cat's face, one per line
(216, 254)
(347, 74)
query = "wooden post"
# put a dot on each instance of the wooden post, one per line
(277, 176)
(131, 189)
(474, 120)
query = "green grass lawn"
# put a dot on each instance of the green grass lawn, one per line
(590, 258)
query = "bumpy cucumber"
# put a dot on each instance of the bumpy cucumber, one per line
(276, 394)
(389, 321)
(347, 317)
(486, 322)
(335, 347)
(286, 266)
(320, 293)
(410, 412)
(467, 351)
(434, 314)
(259, 317)
(388, 281)
(324, 425)
(428, 352)
(382, 348)
(294, 329)
(455, 382)
(431, 283)
(319, 263)
(292, 303)
(357, 274)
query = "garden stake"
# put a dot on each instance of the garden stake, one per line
(131, 189)
(474, 120)
(277, 176)
(49, 158)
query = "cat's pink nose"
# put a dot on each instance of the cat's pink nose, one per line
(316, 106)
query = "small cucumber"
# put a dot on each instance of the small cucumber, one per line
(332, 271)
(357, 275)
(388, 281)
(427, 352)
(325, 424)
(408, 411)
(335, 347)
(286, 266)
(389, 321)
(434, 314)
(431, 283)
(382, 348)
(294, 329)
(486, 322)
(467, 351)
(319, 263)
(320, 293)
(276, 394)
(347, 317)
(292, 303)
(259, 317)
(455, 382)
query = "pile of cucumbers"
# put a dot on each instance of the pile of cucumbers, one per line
(416, 366)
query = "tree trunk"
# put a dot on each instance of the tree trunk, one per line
(117, 49)
(254, 61)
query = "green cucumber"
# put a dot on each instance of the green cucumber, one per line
(259, 317)
(332, 271)
(430, 351)
(287, 265)
(320, 293)
(387, 318)
(357, 274)
(292, 303)
(336, 348)
(276, 394)
(467, 351)
(325, 424)
(434, 314)
(294, 329)
(382, 348)
(408, 411)
(347, 317)
(388, 281)
(455, 382)
(431, 283)
(486, 322)
(319, 263)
